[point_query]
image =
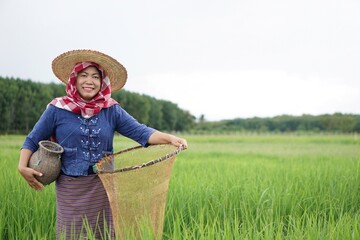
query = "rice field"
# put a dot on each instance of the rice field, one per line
(244, 186)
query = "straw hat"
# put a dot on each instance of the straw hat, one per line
(64, 64)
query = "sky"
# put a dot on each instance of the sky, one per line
(223, 59)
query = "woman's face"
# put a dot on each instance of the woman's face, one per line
(88, 83)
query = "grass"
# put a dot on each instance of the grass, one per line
(225, 187)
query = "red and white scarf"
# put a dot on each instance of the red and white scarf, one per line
(73, 102)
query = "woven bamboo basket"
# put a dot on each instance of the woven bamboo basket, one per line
(136, 181)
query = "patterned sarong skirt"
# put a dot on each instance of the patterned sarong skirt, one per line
(82, 209)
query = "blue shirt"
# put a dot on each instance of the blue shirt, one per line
(85, 141)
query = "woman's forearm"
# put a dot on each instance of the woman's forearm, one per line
(28, 173)
(25, 155)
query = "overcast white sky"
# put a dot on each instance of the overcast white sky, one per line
(224, 59)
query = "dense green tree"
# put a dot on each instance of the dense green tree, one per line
(156, 114)
(169, 115)
(339, 122)
(7, 104)
(22, 103)
(185, 121)
(138, 107)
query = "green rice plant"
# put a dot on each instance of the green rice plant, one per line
(281, 188)
(245, 186)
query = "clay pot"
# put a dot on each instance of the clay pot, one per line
(46, 160)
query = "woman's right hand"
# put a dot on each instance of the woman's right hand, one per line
(29, 175)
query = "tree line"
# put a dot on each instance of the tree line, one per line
(333, 123)
(23, 101)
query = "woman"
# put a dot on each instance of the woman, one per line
(83, 123)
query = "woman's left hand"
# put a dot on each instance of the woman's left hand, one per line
(179, 142)
(160, 138)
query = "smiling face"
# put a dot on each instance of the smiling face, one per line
(88, 83)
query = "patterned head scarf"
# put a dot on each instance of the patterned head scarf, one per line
(73, 102)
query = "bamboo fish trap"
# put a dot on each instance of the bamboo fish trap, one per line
(136, 181)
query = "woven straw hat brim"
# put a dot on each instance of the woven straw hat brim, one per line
(115, 71)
